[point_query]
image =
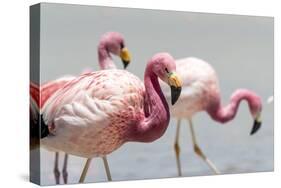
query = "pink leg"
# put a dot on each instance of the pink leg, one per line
(199, 152)
(85, 170)
(177, 147)
(106, 166)
(64, 170)
(56, 168)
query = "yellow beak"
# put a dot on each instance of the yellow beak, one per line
(125, 56)
(174, 80)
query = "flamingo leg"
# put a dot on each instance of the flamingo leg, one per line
(199, 152)
(85, 170)
(64, 170)
(177, 147)
(56, 168)
(106, 168)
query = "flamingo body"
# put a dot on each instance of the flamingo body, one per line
(90, 113)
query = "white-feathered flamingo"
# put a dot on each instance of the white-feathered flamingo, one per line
(96, 113)
(110, 43)
(201, 92)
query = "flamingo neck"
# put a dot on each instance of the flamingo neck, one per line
(105, 60)
(228, 112)
(157, 113)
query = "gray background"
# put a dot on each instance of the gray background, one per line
(240, 48)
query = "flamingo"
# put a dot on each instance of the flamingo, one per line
(201, 92)
(110, 43)
(96, 113)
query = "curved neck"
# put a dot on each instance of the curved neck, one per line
(105, 60)
(228, 112)
(157, 115)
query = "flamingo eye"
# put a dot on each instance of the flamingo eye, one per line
(122, 45)
(166, 70)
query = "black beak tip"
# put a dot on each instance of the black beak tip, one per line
(175, 93)
(256, 127)
(125, 63)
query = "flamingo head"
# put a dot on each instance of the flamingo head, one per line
(164, 67)
(114, 43)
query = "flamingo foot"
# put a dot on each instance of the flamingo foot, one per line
(212, 166)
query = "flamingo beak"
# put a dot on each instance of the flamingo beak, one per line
(125, 57)
(257, 124)
(175, 83)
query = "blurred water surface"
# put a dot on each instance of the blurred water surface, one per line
(240, 48)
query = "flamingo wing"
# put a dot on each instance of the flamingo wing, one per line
(49, 88)
(84, 111)
(90, 99)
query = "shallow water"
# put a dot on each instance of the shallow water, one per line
(239, 48)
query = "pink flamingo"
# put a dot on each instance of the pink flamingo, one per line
(96, 113)
(110, 43)
(201, 92)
